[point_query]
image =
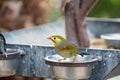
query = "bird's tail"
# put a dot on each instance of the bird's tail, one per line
(82, 54)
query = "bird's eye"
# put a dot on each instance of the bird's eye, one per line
(54, 38)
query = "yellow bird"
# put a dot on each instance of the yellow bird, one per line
(64, 48)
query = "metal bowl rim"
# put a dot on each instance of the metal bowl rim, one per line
(11, 54)
(70, 64)
(108, 36)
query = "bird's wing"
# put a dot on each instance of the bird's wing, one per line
(69, 47)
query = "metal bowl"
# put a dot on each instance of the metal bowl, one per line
(98, 26)
(66, 69)
(9, 64)
(112, 40)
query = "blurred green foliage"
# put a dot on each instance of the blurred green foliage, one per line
(106, 8)
(103, 8)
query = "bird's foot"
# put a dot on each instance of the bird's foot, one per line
(61, 60)
(74, 60)
(5, 54)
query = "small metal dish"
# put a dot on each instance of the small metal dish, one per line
(66, 69)
(9, 64)
(112, 40)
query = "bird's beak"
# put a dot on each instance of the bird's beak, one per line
(49, 38)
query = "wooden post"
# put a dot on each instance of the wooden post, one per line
(75, 14)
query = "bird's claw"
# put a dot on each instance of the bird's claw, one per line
(61, 60)
(5, 55)
(74, 60)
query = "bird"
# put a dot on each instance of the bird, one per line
(64, 48)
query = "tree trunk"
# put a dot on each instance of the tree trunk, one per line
(75, 14)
